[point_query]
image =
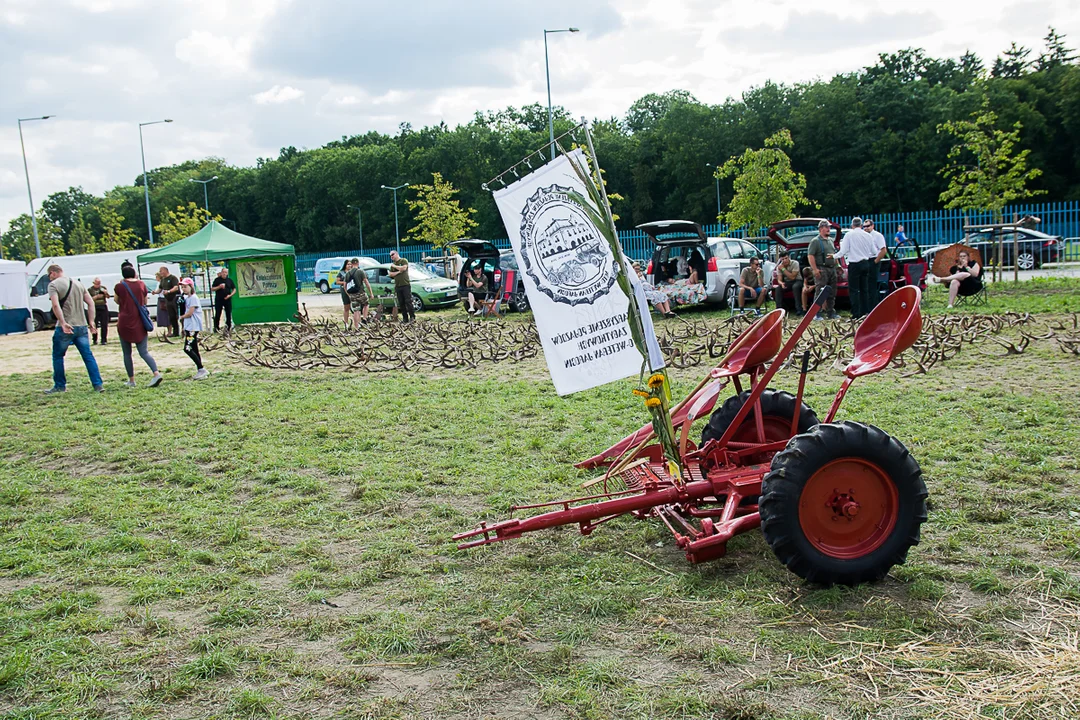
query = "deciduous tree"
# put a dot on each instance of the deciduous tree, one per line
(184, 221)
(766, 187)
(440, 218)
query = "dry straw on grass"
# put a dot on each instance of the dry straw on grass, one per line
(1034, 675)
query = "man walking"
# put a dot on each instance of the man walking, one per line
(224, 288)
(876, 286)
(101, 296)
(821, 257)
(361, 293)
(399, 272)
(857, 247)
(73, 309)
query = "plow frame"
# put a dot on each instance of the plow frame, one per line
(715, 497)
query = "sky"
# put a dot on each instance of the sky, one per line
(243, 78)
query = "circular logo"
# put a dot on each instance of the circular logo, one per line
(562, 250)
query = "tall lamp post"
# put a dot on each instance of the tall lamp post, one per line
(145, 183)
(206, 197)
(33, 217)
(397, 233)
(717, 190)
(547, 72)
(360, 222)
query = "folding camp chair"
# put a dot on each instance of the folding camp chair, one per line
(980, 297)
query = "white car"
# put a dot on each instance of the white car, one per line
(722, 259)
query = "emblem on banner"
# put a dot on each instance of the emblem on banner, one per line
(569, 260)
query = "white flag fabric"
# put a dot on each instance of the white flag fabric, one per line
(570, 276)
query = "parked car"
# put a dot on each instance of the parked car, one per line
(428, 291)
(1034, 247)
(494, 262)
(794, 235)
(722, 259)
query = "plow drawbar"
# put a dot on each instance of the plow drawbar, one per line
(838, 502)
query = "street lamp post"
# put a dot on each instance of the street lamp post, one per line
(206, 197)
(145, 183)
(360, 222)
(397, 233)
(717, 190)
(33, 217)
(547, 72)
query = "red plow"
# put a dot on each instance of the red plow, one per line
(838, 502)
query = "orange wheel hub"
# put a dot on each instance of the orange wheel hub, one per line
(848, 508)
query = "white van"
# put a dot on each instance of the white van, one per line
(85, 268)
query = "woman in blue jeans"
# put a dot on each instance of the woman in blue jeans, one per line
(130, 294)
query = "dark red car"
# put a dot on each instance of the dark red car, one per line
(794, 236)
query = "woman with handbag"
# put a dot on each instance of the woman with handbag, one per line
(131, 325)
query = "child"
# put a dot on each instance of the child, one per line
(193, 325)
(807, 287)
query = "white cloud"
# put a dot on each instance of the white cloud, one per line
(203, 49)
(277, 95)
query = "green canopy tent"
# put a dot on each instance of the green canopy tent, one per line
(264, 271)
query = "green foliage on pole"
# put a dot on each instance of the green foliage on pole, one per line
(766, 187)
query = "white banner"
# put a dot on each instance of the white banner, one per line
(570, 278)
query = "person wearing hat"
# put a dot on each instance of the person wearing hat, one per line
(788, 277)
(193, 325)
(821, 258)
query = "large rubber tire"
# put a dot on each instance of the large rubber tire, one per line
(821, 471)
(39, 321)
(520, 301)
(324, 287)
(417, 303)
(777, 409)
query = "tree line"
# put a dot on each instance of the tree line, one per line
(866, 141)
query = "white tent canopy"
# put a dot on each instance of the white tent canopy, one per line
(14, 292)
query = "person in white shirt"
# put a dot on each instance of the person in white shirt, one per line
(193, 325)
(858, 248)
(882, 251)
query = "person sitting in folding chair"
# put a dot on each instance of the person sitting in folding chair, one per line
(964, 278)
(477, 285)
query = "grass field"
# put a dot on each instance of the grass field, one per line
(275, 544)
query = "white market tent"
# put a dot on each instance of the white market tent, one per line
(14, 297)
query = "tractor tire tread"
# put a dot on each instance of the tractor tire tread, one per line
(773, 402)
(793, 467)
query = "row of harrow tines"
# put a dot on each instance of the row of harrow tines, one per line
(830, 344)
(383, 346)
(379, 346)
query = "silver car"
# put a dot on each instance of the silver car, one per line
(721, 259)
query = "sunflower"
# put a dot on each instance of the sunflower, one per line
(652, 402)
(656, 380)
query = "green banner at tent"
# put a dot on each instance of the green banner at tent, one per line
(257, 278)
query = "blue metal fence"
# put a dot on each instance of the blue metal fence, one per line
(935, 227)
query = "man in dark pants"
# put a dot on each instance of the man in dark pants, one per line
(169, 288)
(821, 258)
(224, 288)
(399, 272)
(859, 249)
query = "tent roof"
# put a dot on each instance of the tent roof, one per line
(215, 242)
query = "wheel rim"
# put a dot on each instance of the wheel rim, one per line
(1027, 260)
(848, 508)
(776, 428)
(417, 305)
